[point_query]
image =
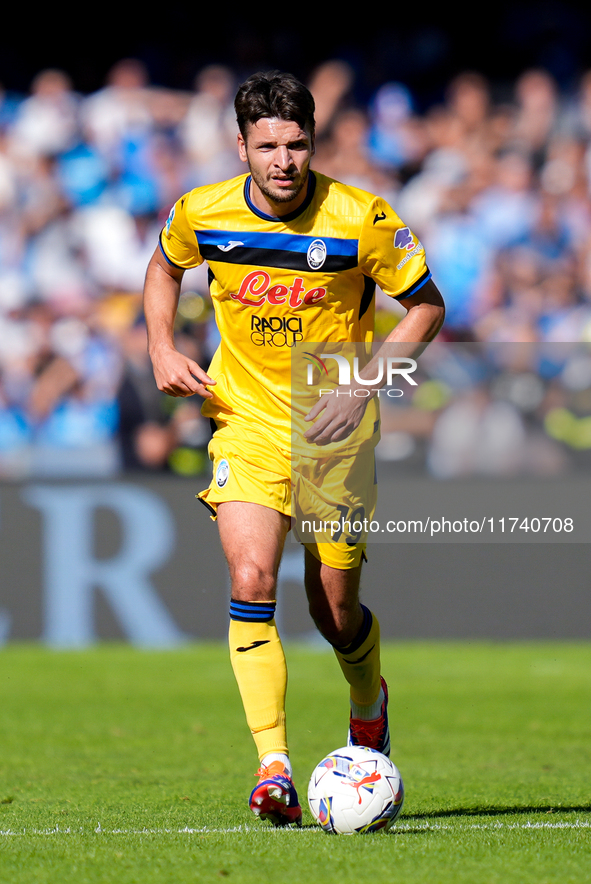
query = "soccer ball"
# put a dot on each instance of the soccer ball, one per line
(355, 789)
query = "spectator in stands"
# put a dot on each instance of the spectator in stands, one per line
(498, 193)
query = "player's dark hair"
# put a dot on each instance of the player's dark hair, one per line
(274, 94)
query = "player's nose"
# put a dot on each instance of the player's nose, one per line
(283, 157)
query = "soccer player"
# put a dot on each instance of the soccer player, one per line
(293, 256)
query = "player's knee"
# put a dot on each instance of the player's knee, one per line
(251, 582)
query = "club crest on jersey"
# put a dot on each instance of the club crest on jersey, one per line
(222, 472)
(404, 239)
(316, 254)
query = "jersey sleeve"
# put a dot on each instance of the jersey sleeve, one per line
(178, 239)
(390, 253)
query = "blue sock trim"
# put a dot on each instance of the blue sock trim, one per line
(252, 612)
(361, 635)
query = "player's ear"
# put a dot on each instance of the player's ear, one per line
(242, 148)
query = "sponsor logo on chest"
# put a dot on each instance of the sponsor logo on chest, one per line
(257, 289)
(276, 331)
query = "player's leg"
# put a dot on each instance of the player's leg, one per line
(252, 538)
(354, 632)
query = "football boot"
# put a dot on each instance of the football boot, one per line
(274, 797)
(374, 734)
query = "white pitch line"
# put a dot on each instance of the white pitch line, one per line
(206, 830)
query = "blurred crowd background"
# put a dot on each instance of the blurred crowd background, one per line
(496, 184)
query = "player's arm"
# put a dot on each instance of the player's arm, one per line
(390, 254)
(335, 417)
(425, 314)
(175, 373)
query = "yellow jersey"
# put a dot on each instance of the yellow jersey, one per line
(276, 282)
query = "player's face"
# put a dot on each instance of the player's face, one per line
(278, 153)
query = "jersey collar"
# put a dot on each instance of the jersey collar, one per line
(291, 215)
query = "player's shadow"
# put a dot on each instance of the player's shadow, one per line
(496, 810)
(489, 810)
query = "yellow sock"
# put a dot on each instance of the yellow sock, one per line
(360, 661)
(259, 665)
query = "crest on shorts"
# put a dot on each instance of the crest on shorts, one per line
(222, 472)
(316, 254)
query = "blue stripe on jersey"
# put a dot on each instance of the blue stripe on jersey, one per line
(419, 285)
(284, 242)
(172, 264)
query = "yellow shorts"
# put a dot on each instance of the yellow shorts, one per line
(248, 467)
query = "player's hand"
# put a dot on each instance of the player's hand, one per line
(177, 375)
(334, 417)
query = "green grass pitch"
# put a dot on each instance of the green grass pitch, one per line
(119, 765)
